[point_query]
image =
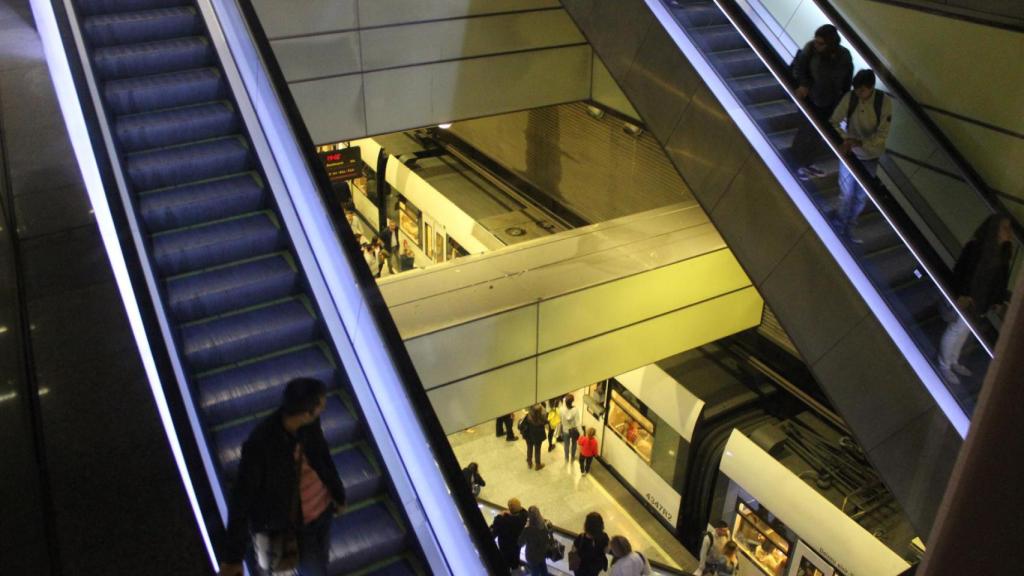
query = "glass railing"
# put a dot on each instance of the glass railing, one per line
(921, 209)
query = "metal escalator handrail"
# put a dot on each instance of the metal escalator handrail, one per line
(911, 237)
(376, 306)
(970, 175)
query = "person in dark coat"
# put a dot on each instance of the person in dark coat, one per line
(473, 478)
(534, 432)
(507, 527)
(980, 280)
(823, 72)
(592, 546)
(286, 483)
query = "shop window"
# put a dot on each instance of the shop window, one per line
(409, 221)
(628, 423)
(653, 439)
(761, 538)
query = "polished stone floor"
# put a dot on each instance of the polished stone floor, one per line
(563, 495)
(87, 483)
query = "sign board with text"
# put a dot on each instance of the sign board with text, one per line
(342, 165)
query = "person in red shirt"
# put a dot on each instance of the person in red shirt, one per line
(588, 449)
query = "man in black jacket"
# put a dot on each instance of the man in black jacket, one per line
(507, 527)
(823, 71)
(286, 486)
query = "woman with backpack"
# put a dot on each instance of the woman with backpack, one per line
(588, 554)
(535, 537)
(534, 430)
(626, 562)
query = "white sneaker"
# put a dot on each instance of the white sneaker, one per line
(948, 375)
(961, 370)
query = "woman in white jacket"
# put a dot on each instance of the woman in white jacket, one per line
(571, 430)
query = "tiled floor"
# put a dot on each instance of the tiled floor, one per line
(563, 495)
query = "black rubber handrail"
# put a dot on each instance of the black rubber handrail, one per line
(967, 171)
(922, 250)
(376, 306)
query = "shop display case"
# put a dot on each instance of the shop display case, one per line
(409, 221)
(761, 541)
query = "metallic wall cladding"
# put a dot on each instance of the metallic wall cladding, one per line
(360, 68)
(851, 355)
(591, 166)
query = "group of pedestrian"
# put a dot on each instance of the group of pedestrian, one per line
(559, 421)
(516, 529)
(860, 115)
(382, 254)
(718, 552)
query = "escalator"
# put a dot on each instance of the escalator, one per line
(866, 313)
(242, 312)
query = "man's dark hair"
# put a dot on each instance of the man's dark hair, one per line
(864, 79)
(721, 524)
(302, 395)
(593, 524)
(829, 34)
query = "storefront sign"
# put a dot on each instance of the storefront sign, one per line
(342, 165)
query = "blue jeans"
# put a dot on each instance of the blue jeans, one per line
(851, 197)
(540, 569)
(569, 438)
(314, 550)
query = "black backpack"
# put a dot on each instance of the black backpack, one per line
(879, 99)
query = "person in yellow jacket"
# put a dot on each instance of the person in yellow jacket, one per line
(553, 421)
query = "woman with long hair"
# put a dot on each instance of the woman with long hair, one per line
(590, 548)
(979, 284)
(535, 538)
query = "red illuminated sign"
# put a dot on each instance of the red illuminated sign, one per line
(342, 165)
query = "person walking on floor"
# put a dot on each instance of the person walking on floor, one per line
(473, 478)
(570, 421)
(626, 562)
(535, 538)
(711, 546)
(588, 555)
(862, 118)
(507, 527)
(554, 422)
(503, 426)
(980, 279)
(588, 449)
(822, 70)
(287, 489)
(533, 431)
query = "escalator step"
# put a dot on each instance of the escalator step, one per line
(198, 203)
(777, 116)
(177, 165)
(149, 93)
(737, 63)
(696, 14)
(719, 38)
(165, 56)
(921, 300)
(177, 126)
(231, 287)
(364, 536)
(229, 339)
(340, 427)
(190, 249)
(892, 267)
(257, 387)
(400, 567)
(361, 478)
(149, 26)
(758, 89)
(92, 7)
